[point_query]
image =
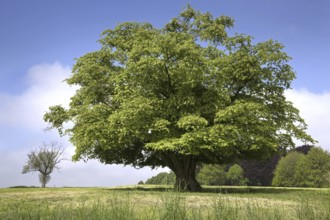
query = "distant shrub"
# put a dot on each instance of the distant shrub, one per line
(235, 176)
(212, 175)
(286, 169)
(215, 175)
(313, 169)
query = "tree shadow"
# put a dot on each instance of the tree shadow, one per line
(250, 190)
(216, 189)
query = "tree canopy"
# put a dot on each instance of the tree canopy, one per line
(179, 95)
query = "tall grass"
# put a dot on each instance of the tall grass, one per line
(98, 204)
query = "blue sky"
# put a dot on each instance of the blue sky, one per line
(40, 39)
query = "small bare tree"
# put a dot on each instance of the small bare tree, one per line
(44, 160)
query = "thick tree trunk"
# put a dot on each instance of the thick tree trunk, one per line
(186, 181)
(184, 168)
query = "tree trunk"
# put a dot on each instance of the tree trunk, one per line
(184, 168)
(44, 179)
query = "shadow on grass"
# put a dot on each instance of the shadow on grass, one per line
(216, 189)
(19, 187)
(250, 190)
(143, 188)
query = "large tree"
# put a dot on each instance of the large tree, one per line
(179, 95)
(44, 160)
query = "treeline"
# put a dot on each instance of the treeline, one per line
(162, 178)
(306, 166)
(208, 175)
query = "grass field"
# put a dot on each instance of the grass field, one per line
(151, 202)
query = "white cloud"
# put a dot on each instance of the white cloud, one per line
(45, 88)
(315, 109)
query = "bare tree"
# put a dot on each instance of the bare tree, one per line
(44, 160)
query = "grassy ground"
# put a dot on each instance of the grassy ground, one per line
(151, 202)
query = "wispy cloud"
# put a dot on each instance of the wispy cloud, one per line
(45, 88)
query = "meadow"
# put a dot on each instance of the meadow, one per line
(160, 202)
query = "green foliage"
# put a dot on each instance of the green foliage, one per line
(215, 175)
(235, 175)
(180, 95)
(162, 178)
(212, 175)
(44, 160)
(311, 170)
(286, 169)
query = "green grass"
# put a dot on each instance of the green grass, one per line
(159, 202)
